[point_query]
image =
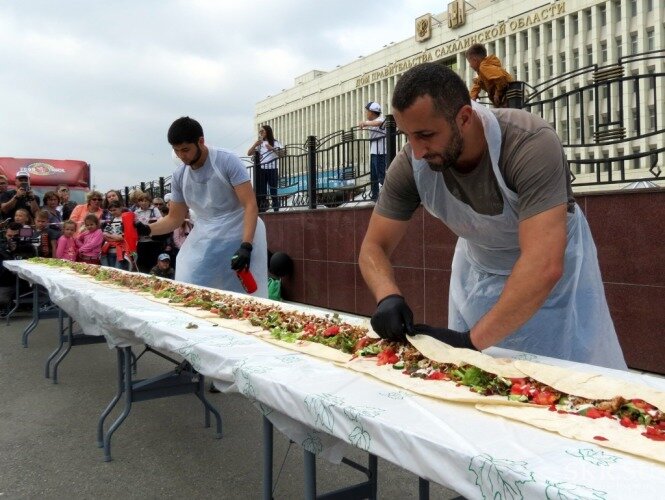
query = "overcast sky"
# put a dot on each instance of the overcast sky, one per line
(102, 80)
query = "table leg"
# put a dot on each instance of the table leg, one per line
(267, 458)
(17, 298)
(61, 338)
(114, 401)
(126, 374)
(423, 489)
(70, 342)
(35, 316)
(310, 476)
(209, 408)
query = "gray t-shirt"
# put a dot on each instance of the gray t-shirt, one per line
(532, 163)
(227, 163)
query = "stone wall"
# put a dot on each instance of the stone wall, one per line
(628, 228)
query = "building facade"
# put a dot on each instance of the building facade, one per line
(537, 45)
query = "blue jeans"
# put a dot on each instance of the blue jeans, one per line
(267, 185)
(110, 260)
(377, 173)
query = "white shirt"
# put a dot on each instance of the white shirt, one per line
(269, 157)
(377, 137)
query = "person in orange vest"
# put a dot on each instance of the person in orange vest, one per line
(492, 78)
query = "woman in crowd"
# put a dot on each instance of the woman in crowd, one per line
(51, 202)
(268, 177)
(93, 206)
(148, 249)
(66, 207)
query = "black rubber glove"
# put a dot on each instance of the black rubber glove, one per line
(451, 337)
(242, 257)
(142, 229)
(393, 318)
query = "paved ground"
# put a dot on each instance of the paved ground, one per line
(162, 450)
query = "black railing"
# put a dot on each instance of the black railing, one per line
(598, 108)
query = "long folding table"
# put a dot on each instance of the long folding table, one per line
(325, 408)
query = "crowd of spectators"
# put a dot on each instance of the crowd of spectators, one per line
(91, 232)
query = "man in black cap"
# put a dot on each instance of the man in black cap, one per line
(377, 145)
(21, 197)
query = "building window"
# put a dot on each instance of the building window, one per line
(649, 5)
(578, 128)
(525, 40)
(548, 32)
(574, 25)
(603, 52)
(550, 66)
(562, 29)
(576, 59)
(589, 54)
(619, 47)
(636, 161)
(633, 8)
(590, 129)
(564, 132)
(602, 13)
(526, 72)
(635, 115)
(633, 43)
(652, 118)
(562, 57)
(536, 35)
(538, 75)
(651, 40)
(588, 16)
(617, 11)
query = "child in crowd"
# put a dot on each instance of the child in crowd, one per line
(113, 250)
(23, 217)
(90, 241)
(163, 268)
(45, 235)
(66, 248)
(148, 248)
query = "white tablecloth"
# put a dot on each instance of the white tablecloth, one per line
(478, 455)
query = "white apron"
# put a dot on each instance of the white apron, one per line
(205, 257)
(574, 323)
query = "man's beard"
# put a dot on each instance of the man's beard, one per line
(197, 157)
(448, 157)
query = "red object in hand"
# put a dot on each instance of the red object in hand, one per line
(247, 280)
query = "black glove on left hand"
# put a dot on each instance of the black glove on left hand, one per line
(242, 257)
(142, 229)
(451, 337)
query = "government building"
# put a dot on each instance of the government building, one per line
(592, 68)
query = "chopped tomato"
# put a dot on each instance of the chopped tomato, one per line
(600, 438)
(642, 405)
(437, 375)
(654, 433)
(522, 387)
(595, 413)
(387, 357)
(362, 343)
(544, 398)
(214, 310)
(627, 422)
(331, 331)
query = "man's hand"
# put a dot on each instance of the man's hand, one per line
(393, 318)
(451, 337)
(142, 229)
(20, 192)
(242, 257)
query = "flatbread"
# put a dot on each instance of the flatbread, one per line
(313, 349)
(439, 389)
(443, 353)
(584, 429)
(590, 385)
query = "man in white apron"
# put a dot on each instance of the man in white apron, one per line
(525, 272)
(228, 235)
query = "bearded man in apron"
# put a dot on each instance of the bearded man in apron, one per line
(525, 272)
(228, 235)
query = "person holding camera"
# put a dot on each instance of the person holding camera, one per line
(21, 197)
(269, 150)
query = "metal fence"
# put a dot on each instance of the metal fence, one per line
(612, 107)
